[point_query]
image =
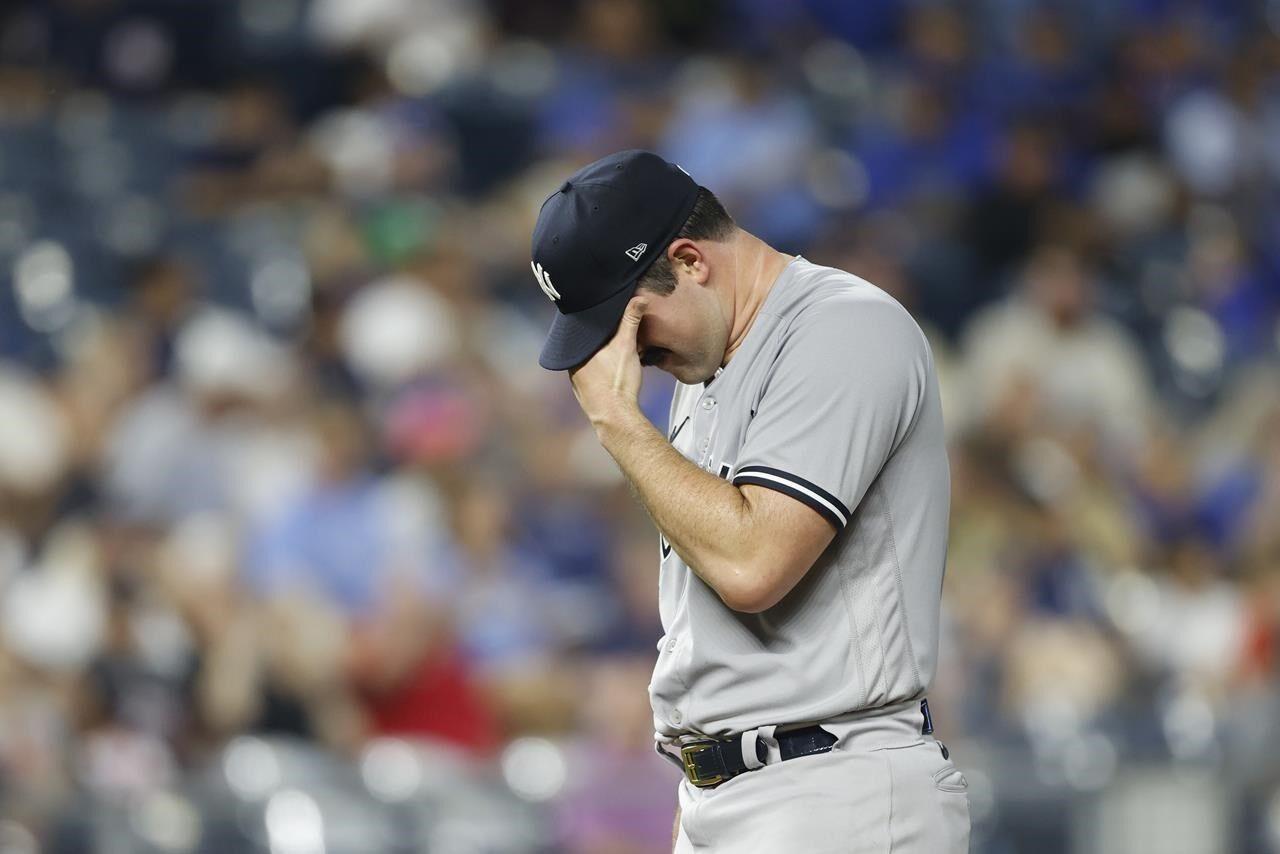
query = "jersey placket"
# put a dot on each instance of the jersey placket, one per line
(706, 416)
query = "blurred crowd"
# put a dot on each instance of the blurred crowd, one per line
(284, 496)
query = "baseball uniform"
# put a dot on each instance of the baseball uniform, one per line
(832, 399)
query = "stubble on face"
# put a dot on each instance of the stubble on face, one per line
(691, 333)
(697, 356)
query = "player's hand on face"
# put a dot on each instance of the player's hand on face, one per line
(610, 380)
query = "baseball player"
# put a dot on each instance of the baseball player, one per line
(801, 494)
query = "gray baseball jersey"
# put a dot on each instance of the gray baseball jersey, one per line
(832, 399)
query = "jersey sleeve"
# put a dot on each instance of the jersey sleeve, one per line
(843, 392)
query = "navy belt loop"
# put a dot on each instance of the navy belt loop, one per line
(927, 727)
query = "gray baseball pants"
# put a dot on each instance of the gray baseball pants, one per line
(882, 788)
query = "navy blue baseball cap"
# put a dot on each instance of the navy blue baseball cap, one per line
(595, 238)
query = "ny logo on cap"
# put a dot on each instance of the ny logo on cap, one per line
(636, 251)
(544, 282)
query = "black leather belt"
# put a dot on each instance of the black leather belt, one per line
(709, 762)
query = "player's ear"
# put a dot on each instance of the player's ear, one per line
(687, 257)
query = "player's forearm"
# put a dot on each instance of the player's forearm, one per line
(706, 520)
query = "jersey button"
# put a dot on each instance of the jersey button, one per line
(671, 645)
(676, 717)
(708, 402)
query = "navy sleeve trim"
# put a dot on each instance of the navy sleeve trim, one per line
(798, 488)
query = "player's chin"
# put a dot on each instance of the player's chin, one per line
(685, 372)
(675, 369)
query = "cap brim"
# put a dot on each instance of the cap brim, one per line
(576, 337)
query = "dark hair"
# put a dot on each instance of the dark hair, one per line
(707, 221)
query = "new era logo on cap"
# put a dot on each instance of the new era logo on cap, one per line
(636, 251)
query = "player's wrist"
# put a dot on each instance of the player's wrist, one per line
(617, 418)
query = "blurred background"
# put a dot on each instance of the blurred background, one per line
(301, 552)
